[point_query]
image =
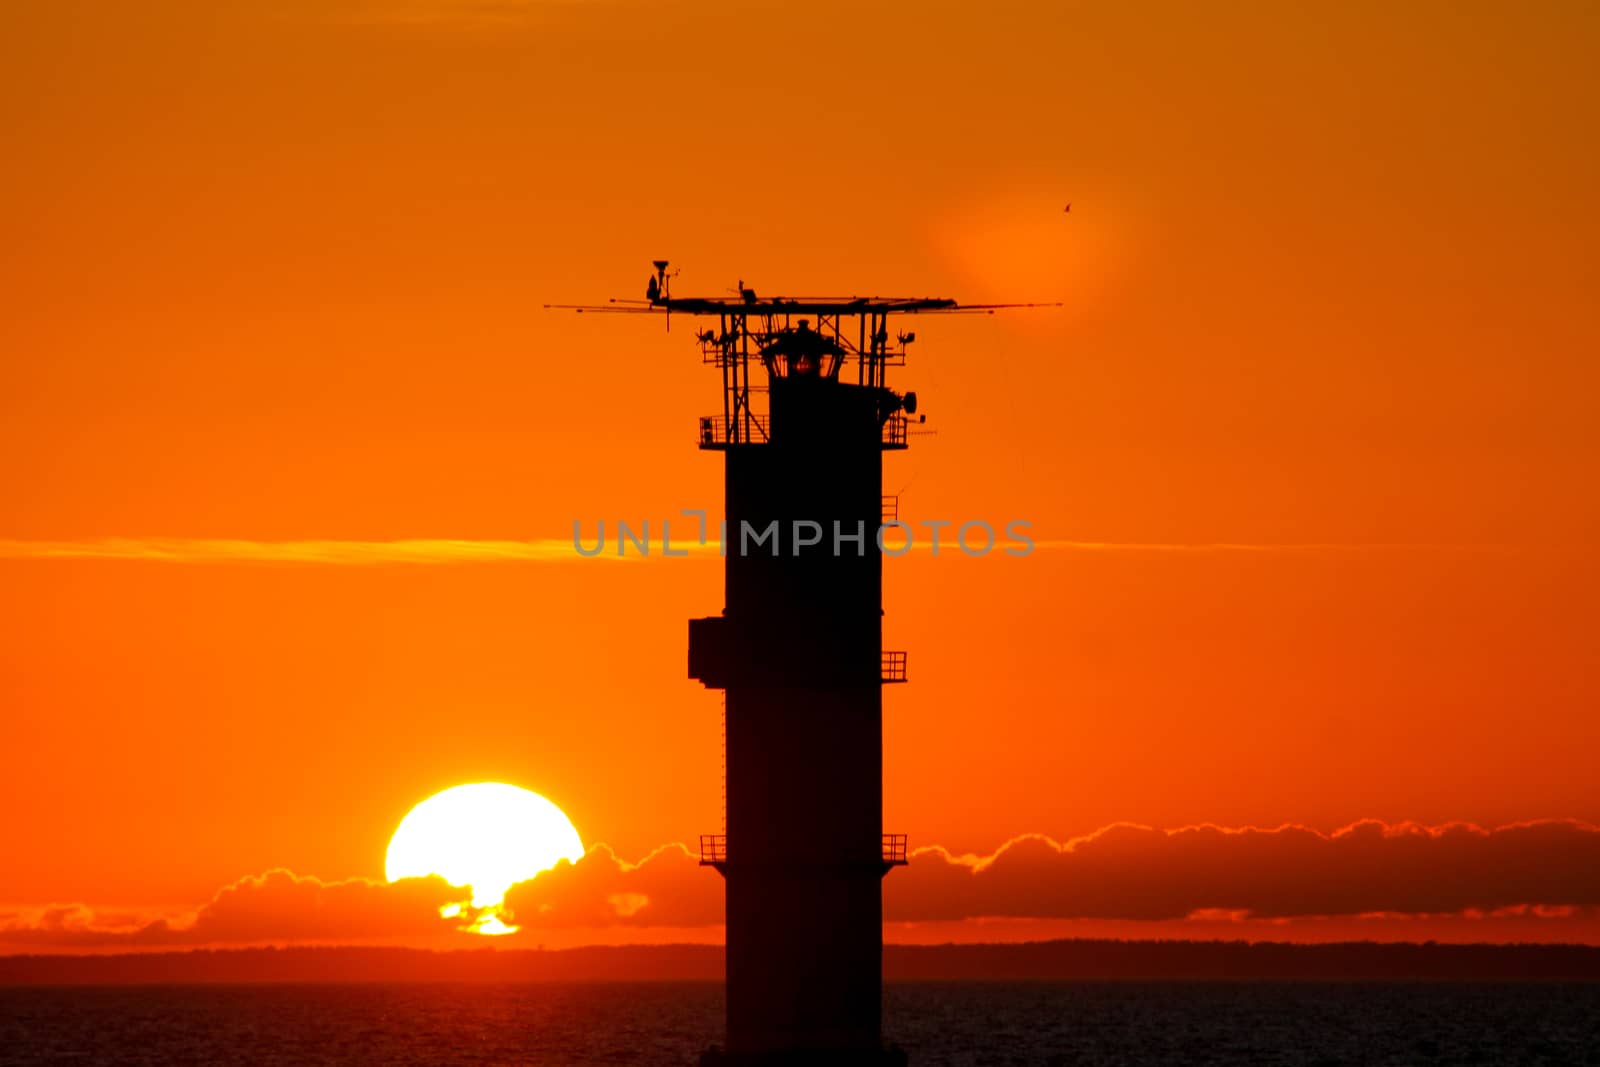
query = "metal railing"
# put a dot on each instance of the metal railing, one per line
(893, 667)
(894, 849)
(713, 849)
(717, 431)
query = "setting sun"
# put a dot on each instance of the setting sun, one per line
(488, 835)
(1005, 523)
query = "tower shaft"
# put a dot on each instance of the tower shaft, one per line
(798, 649)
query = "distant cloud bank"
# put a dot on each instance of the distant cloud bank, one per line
(278, 906)
(1368, 868)
(1548, 869)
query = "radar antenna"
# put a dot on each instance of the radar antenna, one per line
(837, 331)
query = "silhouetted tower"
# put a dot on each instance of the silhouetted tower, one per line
(798, 651)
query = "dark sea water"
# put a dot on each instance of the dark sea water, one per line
(1087, 1023)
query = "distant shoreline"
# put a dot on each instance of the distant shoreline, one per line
(1081, 960)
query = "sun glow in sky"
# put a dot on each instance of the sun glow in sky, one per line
(489, 836)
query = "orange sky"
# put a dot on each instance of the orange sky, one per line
(273, 272)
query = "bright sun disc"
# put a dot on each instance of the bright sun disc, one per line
(487, 835)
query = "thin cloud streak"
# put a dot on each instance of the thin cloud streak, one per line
(339, 553)
(1268, 547)
(446, 551)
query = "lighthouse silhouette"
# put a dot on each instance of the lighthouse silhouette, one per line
(798, 652)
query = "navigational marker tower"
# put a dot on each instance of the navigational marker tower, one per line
(798, 651)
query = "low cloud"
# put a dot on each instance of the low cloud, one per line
(277, 907)
(1547, 871)
(666, 888)
(1136, 872)
(1549, 868)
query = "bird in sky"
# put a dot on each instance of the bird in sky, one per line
(1067, 209)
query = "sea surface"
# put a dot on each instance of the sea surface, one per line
(938, 1023)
